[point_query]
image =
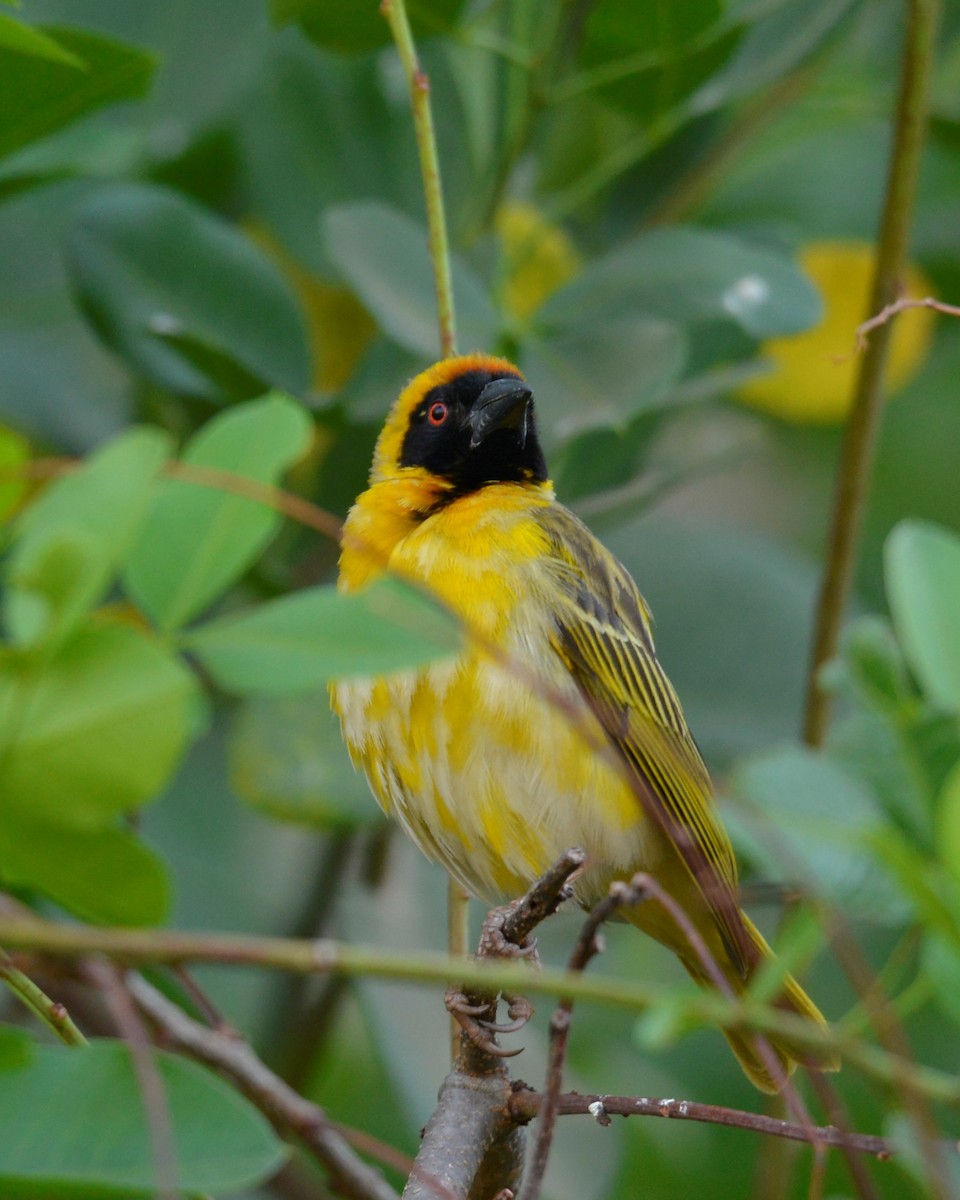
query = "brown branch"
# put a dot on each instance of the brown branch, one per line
(587, 945)
(526, 1104)
(233, 1057)
(472, 1148)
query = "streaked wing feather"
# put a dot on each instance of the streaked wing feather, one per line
(603, 636)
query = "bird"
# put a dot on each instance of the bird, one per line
(555, 725)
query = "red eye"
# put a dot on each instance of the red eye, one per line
(437, 413)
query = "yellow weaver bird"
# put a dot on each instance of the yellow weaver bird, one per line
(491, 775)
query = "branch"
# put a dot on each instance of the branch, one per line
(889, 311)
(526, 1104)
(419, 84)
(135, 946)
(289, 1110)
(53, 1015)
(856, 456)
(472, 1147)
(587, 945)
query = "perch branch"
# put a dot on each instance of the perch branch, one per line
(471, 1146)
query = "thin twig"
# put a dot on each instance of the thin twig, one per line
(396, 13)
(50, 1012)
(526, 1104)
(234, 1058)
(889, 311)
(856, 456)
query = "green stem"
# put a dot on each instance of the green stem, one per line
(53, 1015)
(396, 14)
(857, 453)
(135, 946)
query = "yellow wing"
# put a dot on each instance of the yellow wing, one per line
(603, 637)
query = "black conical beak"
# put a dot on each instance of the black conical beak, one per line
(503, 404)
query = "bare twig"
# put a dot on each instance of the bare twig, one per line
(286, 1108)
(526, 1104)
(419, 84)
(856, 457)
(894, 309)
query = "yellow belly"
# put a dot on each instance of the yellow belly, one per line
(488, 778)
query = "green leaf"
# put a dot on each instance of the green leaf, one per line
(95, 730)
(940, 963)
(16, 1048)
(923, 586)
(349, 28)
(602, 375)
(40, 95)
(75, 1123)
(804, 819)
(288, 760)
(303, 640)
(146, 261)
(107, 876)
(382, 253)
(198, 540)
(70, 542)
(948, 822)
(689, 275)
(14, 453)
(24, 39)
(647, 60)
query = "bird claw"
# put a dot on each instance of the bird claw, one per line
(465, 1014)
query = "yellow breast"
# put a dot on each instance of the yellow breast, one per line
(481, 768)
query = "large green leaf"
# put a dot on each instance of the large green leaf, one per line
(197, 540)
(95, 730)
(107, 876)
(302, 640)
(602, 375)
(16, 1047)
(382, 253)
(687, 275)
(350, 28)
(70, 542)
(75, 1123)
(149, 264)
(923, 587)
(646, 59)
(23, 39)
(14, 453)
(40, 94)
(288, 760)
(806, 820)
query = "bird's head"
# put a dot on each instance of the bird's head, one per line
(463, 423)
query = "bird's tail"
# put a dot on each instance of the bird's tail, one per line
(792, 999)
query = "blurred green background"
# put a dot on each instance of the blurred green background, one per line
(664, 213)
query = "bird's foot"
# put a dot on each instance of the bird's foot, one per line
(480, 1033)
